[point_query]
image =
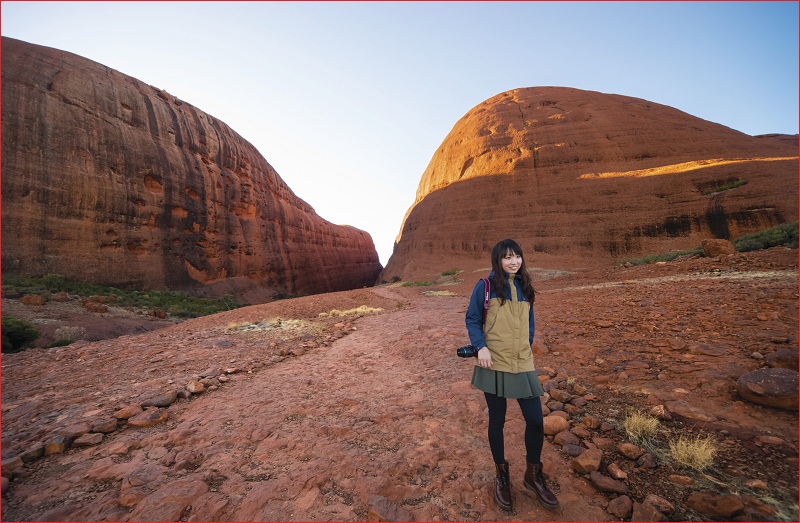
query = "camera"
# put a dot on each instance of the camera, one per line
(467, 351)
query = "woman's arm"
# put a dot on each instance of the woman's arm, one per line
(474, 317)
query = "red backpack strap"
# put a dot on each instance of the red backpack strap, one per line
(487, 291)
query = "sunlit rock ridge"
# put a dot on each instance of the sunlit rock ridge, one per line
(108, 180)
(580, 176)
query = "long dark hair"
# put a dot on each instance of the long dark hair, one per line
(499, 277)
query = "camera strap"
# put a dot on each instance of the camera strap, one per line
(487, 291)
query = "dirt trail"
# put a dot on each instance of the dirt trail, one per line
(312, 430)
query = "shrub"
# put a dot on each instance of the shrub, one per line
(696, 453)
(640, 427)
(668, 256)
(363, 309)
(724, 186)
(451, 272)
(783, 234)
(418, 284)
(17, 334)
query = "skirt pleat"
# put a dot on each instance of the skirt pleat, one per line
(507, 384)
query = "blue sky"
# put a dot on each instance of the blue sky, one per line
(349, 100)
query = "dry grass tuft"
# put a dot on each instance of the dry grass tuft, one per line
(694, 452)
(267, 325)
(640, 427)
(363, 309)
(439, 293)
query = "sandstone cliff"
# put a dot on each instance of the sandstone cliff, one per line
(581, 175)
(108, 180)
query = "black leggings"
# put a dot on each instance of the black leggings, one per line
(534, 427)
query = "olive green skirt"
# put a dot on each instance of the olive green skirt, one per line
(506, 384)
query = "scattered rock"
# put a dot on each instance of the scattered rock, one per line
(621, 506)
(382, 509)
(128, 411)
(771, 387)
(606, 484)
(195, 387)
(717, 506)
(162, 400)
(148, 418)
(714, 247)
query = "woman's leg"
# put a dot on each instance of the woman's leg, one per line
(497, 419)
(534, 439)
(534, 428)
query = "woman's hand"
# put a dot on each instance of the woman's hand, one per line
(485, 358)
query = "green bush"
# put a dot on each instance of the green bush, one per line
(17, 334)
(668, 256)
(175, 302)
(417, 284)
(451, 272)
(783, 234)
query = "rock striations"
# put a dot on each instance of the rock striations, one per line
(575, 174)
(108, 180)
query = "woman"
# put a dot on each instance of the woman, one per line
(504, 368)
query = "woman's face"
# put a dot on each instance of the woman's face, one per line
(511, 262)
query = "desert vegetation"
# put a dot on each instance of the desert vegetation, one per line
(782, 234)
(175, 303)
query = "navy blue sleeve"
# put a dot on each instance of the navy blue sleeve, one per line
(531, 325)
(474, 317)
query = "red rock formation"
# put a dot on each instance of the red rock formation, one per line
(580, 175)
(108, 180)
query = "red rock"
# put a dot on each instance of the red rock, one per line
(128, 411)
(646, 512)
(169, 501)
(771, 387)
(553, 424)
(587, 462)
(713, 248)
(33, 299)
(382, 509)
(630, 450)
(117, 182)
(599, 177)
(621, 506)
(721, 506)
(148, 418)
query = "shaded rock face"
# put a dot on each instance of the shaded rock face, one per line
(585, 175)
(108, 180)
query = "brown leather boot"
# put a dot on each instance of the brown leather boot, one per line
(534, 480)
(502, 487)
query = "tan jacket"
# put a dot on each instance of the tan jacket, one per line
(507, 333)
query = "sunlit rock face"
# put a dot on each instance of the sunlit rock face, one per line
(580, 177)
(108, 180)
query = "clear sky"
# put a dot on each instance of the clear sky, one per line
(349, 100)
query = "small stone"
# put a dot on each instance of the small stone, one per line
(566, 437)
(606, 484)
(128, 411)
(162, 400)
(630, 450)
(88, 440)
(554, 424)
(148, 418)
(591, 422)
(647, 461)
(57, 446)
(572, 450)
(587, 462)
(646, 512)
(382, 509)
(615, 472)
(721, 507)
(756, 484)
(660, 412)
(105, 426)
(661, 504)
(10, 465)
(195, 387)
(130, 497)
(621, 506)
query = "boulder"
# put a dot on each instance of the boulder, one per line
(714, 248)
(770, 387)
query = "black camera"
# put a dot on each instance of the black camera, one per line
(467, 351)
